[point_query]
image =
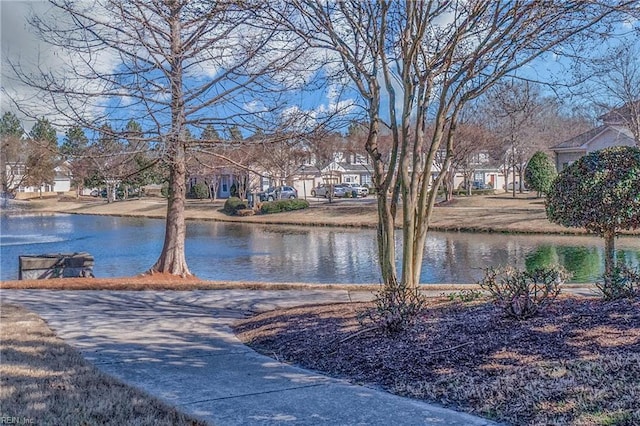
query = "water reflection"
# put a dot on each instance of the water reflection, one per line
(584, 263)
(218, 251)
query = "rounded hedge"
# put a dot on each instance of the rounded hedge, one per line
(279, 206)
(600, 192)
(200, 191)
(233, 204)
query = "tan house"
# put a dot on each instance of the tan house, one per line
(613, 132)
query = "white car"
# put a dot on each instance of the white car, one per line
(356, 189)
(323, 191)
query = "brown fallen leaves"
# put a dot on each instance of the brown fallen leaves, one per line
(576, 363)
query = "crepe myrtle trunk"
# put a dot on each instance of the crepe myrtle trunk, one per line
(386, 212)
(386, 241)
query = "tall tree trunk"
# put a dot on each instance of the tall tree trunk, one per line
(172, 259)
(386, 241)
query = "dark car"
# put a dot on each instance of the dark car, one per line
(478, 184)
(277, 193)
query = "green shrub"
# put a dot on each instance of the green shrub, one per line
(279, 206)
(621, 282)
(200, 191)
(463, 192)
(540, 173)
(164, 191)
(521, 294)
(233, 204)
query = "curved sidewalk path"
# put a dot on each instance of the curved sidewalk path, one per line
(179, 347)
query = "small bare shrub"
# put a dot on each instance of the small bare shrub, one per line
(464, 296)
(521, 294)
(622, 282)
(396, 307)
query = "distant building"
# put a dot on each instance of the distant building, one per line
(61, 181)
(614, 131)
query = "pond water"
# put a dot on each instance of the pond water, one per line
(224, 251)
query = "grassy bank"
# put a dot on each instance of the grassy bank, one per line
(486, 213)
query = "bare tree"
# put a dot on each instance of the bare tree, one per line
(423, 61)
(175, 64)
(282, 159)
(473, 144)
(616, 77)
(515, 106)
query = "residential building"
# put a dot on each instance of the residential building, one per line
(614, 131)
(61, 182)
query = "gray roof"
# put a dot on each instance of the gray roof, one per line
(623, 136)
(356, 168)
(581, 139)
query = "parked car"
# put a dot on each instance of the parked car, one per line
(478, 184)
(323, 191)
(278, 192)
(95, 193)
(357, 190)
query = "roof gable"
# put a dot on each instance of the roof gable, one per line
(599, 138)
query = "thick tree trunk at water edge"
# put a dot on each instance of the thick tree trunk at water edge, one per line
(172, 259)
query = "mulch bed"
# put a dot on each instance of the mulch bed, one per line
(578, 362)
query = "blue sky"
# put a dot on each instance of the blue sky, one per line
(20, 44)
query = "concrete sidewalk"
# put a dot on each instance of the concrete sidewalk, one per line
(179, 347)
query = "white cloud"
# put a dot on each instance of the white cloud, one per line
(22, 48)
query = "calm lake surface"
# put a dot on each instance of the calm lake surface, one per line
(224, 251)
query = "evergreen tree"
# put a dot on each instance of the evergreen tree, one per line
(11, 152)
(601, 193)
(540, 173)
(234, 133)
(43, 154)
(210, 134)
(10, 125)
